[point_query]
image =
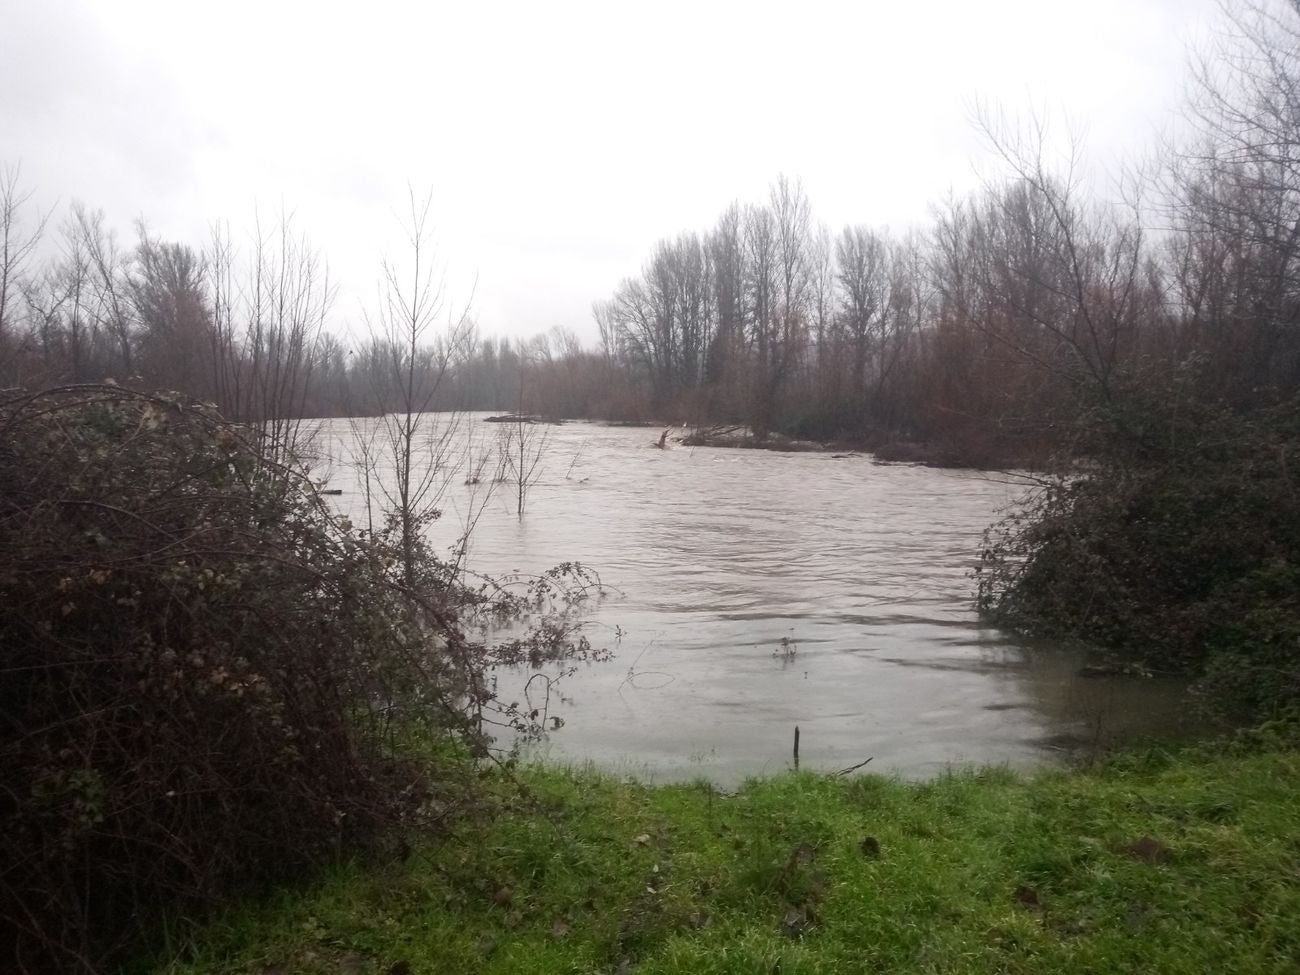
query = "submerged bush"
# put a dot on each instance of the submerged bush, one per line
(207, 679)
(1179, 550)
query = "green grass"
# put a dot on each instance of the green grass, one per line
(986, 871)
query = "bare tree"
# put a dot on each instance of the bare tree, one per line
(1236, 204)
(909, 310)
(167, 291)
(864, 281)
(779, 250)
(415, 338)
(823, 264)
(1070, 273)
(263, 315)
(523, 443)
(608, 323)
(643, 315)
(17, 243)
(764, 322)
(108, 271)
(726, 245)
(79, 332)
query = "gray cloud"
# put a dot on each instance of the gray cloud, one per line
(559, 140)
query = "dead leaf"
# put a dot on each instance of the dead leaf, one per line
(503, 897)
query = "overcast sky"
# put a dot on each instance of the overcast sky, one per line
(560, 140)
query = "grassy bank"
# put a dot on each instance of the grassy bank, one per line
(1154, 862)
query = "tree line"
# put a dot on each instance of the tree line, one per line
(1021, 306)
(1017, 307)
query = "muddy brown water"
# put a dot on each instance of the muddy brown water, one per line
(751, 591)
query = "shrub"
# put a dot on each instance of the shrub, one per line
(1179, 549)
(206, 678)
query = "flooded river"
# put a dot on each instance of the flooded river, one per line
(753, 591)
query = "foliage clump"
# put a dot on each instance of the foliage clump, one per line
(1178, 549)
(209, 679)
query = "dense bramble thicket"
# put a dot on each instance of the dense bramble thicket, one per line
(207, 679)
(1179, 550)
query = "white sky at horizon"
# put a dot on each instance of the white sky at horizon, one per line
(559, 141)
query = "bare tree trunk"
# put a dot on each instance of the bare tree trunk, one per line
(416, 363)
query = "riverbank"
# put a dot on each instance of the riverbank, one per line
(1183, 861)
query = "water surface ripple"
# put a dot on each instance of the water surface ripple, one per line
(719, 561)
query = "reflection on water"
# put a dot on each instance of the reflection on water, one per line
(754, 591)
